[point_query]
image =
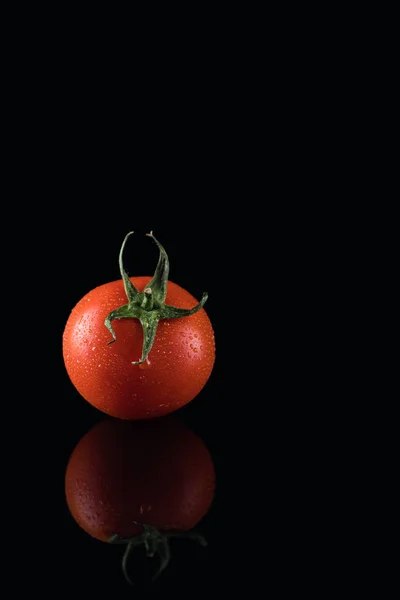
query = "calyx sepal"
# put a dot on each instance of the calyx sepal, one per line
(154, 542)
(148, 306)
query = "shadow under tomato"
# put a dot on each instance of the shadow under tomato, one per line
(140, 483)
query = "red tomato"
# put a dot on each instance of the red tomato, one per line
(154, 472)
(176, 369)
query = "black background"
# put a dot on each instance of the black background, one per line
(210, 246)
(196, 257)
(210, 176)
(236, 148)
(226, 234)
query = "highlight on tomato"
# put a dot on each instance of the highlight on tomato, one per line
(139, 347)
(140, 483)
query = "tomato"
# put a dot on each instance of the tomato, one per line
(178, 352)
(125, 475)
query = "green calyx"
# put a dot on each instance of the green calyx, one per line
(154, 542)
(148, 306)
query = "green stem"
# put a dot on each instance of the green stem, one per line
(130, 289)
(154, 542)
(148, 306)
(160, 279)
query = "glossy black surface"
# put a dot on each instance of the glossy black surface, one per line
(200, 261)
(236, 194)
(245, 415)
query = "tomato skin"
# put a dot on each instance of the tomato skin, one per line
(178, 366)
(156, 472)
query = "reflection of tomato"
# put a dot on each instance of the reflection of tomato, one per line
(176, 352)
(154, 472)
